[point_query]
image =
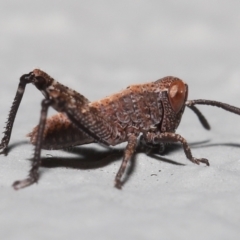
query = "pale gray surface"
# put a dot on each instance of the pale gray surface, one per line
(100, 47)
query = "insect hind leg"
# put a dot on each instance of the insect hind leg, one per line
(24, 80)
(33, 173)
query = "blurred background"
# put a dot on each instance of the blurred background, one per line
(101, 47)
(124, 42)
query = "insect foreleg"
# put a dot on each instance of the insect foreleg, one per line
(24, 80)
(173, 137)
(128, 153)
(33, 173)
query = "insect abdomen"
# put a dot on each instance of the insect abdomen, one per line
(60, 133)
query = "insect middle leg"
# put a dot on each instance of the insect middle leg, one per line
(173, 137)
(128, 153)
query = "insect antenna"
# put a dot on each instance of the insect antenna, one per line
(201, 118)
(224, 106)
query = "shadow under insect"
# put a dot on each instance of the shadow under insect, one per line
(91, 157)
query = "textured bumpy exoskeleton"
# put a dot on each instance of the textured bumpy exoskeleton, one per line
(152, 110)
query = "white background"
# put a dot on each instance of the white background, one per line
(98, 48)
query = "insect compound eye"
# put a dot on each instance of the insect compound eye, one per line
(176, 95)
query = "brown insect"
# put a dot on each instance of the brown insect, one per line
(152, 111)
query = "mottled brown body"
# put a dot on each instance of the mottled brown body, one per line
(137, 109)
(152, 111)
(60, 133)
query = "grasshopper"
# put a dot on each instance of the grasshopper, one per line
(151, 111)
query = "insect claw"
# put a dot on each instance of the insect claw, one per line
(204, 160)
(200, 160)
(118, 184)
(23, 183)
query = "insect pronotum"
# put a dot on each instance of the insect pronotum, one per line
(152, 111)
